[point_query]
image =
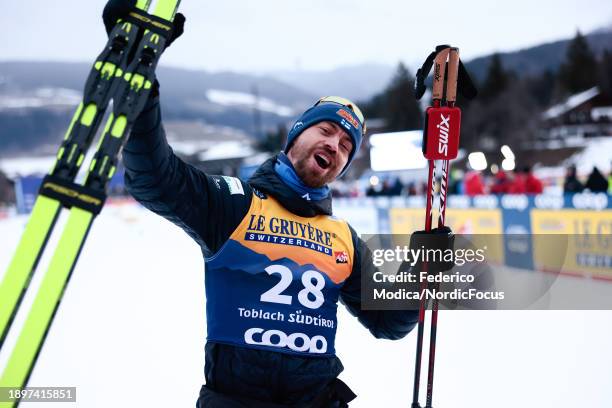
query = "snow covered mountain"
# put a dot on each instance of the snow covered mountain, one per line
(37, 100)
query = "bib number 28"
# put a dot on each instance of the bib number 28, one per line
(311, 296)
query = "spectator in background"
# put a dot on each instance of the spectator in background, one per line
(7, 189)
(386, 188)
(473, 184)
(371, 191)
(533, 185)
(518, 183)
(596, 182)
(397, 187)
(501, 183)
(411, 189)
(572, 184)
(454, 182)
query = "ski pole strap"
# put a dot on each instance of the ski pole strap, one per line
(150, 22)
(70, 194)
(464, 82)
(423, 72)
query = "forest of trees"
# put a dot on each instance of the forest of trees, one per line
(509, 105)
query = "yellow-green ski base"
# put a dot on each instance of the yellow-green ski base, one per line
(47, 300)
(21, 268)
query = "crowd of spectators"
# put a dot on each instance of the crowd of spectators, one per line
(503, 182)
(472, 183)
(595, 182)
(475, 183)
(525, 182)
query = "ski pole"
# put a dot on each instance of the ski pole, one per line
(451, 95)
(440, 66)
(440, 142)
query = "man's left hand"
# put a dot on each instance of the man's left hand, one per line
(441, 240)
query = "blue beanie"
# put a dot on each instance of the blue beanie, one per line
(333, 112)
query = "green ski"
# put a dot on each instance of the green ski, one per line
(130, 93)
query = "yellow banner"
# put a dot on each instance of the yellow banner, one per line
(472, 222)
(462, 221)
(582, 245)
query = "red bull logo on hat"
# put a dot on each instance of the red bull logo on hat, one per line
(348, 117)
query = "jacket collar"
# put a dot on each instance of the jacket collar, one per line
(266, 180)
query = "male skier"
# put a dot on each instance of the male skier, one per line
(277, 262)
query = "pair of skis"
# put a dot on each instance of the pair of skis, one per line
(128, 81)
(440, 142)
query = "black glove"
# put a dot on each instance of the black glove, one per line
(119, 9)
(442, 239)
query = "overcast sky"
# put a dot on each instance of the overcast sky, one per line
(267, 35)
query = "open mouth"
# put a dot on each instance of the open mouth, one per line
(322, 161)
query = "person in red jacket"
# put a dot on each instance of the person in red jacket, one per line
(517, 184)
(473, 184)
(501, 183)
(533, 185)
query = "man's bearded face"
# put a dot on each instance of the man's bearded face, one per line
(320, 153)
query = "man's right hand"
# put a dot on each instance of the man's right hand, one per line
(119, 9)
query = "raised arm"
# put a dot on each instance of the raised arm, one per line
(177, 191)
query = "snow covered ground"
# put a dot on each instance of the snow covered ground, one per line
(130, 332)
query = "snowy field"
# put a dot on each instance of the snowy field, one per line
(130, 333)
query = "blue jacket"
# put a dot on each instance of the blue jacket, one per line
(186, 196)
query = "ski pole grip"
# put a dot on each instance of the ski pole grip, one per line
(453, 72)
(438, 74)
